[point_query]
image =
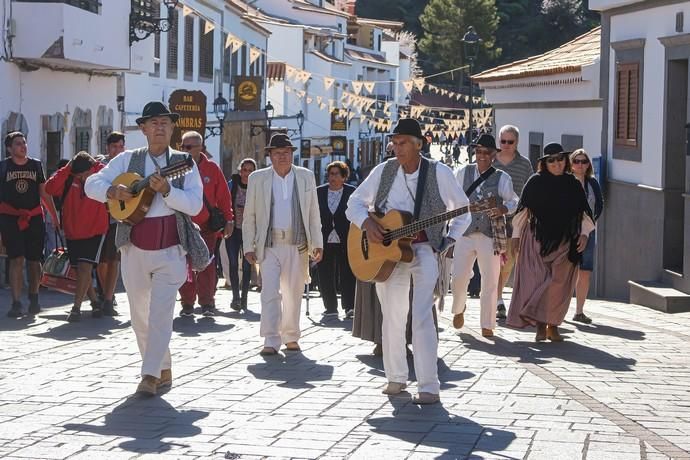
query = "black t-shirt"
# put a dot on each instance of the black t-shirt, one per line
(20, 184)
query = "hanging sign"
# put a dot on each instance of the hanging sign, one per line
(191, 105)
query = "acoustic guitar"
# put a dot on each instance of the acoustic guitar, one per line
(134, 210)
(375, 261)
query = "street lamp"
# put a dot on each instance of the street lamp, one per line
(220, 108)
(470, 42)
(255, 130)
(142, 23)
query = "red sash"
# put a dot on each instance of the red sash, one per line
(155, 233)
(24, 215)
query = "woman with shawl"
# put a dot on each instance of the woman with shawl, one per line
(552, 225)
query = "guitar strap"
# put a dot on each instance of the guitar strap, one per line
(421, 184)
(482, 177)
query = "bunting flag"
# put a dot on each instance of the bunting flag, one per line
(419, 83)
(236, 44)
(357, 86)
(304, 76)
(328, 82)
(350, 116)
(322, 105)
(408, 85)
(208, 27)
(186, 11)
(254, 54)
(288, 89)
(319, 100)
(369, 86)
(387, 106)
(310, 100)
(228, 40)
(290, 71)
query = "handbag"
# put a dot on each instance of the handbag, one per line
(58, 274)
(216, 220)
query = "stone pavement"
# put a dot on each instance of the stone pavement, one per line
(619, 389)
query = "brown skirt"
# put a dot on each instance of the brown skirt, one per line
(543, 286)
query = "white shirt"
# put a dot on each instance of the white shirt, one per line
(401, 196)
(187, 200)
(334, 197)
(282, 200)
(505, 187)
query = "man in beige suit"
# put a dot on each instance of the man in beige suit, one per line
(281, 230)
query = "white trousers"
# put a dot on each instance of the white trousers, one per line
(282, 284)
(394, 295)
(476, 246)
(151, 279)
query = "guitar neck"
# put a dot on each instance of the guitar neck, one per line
(416, 227)
(165, 172)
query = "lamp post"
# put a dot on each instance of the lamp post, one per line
(220, 108)
(143, 24)
(470, 42)
(300, 123)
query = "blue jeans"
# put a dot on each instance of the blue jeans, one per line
(234, 245)
(587, 261)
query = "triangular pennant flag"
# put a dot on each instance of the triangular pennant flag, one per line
(208, 27)
(288, 89)
(369, 85)
(408, 85)
(419, 83)
(357, 86)
(228, 40)
(254, 54)
(350, 116)
(310, 100)
(290, 71)
(236, 44)
(186, 11)
(387, 106)
(322, 105)
(319, 99)
(328, 82)
(304, 76)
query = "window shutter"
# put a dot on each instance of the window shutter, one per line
(172, 45)
(205, 52)
(627, 95)
(189, 47)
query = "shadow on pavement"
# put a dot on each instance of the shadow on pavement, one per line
(87, 329)
(445, 373)
(146, 422)
(612, 331)
(246, 315)
(293, 369)
(442, 433)
(195, 326)
(545, 352)
(16, 324)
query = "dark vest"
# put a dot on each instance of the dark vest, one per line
(480, 221)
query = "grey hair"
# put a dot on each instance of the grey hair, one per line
(193, 135)
(510, 129)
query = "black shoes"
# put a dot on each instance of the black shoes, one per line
(15, 310)
(582, 318)
(109, 308)
(208, 310)
(96, 309)
(236, 304)
(187, 310)
(34, 307)
(74, 316)
(349, 313)
(501, 311)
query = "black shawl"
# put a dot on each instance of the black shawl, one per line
(556, 205)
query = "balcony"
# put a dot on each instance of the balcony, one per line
(77, 34)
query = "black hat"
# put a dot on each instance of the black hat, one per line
(278, 141)
(485, 140)
(157, 109)
(553, 148)
(408, 126)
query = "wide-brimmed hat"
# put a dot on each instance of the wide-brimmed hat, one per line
(157, 109)
(487, 141)
(279, 141)
(553, 148)
(408, 126)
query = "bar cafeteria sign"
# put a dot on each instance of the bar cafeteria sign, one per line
(191, 105)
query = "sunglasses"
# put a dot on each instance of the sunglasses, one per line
(506, 141)
(188, 146)
(555, 158)
(581, 162)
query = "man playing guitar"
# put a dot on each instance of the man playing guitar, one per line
(153, 253)
(424, 188)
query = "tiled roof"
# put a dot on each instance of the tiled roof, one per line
(569, 57)
(275, 70)
(369, 57)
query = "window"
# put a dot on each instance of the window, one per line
(82, 139)
(243, 62)
(145, 8)
(227, 60)
(104, 132)
(157, 55)
(627, 91)
(53, 150)
(92, 6)
(172, 46)
(205, 52)
(234, 65)
(188, 47)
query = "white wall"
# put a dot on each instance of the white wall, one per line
(499, 92)
(649, 24)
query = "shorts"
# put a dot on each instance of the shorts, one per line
(109, 253)
(587, 261)
(86, 250)
(23, 243)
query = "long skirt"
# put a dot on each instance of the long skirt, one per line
(543, 286)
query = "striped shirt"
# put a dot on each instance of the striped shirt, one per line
(519, 170)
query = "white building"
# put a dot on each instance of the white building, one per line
(552, 97)
(60, 71)
(645, 55)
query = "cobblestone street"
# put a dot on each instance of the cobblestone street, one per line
(618, 389)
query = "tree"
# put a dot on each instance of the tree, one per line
(407, 11)
(445, 22)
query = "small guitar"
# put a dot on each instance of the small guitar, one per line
(134, 210)
(375, 262)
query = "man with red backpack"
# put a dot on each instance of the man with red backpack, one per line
(85, 223)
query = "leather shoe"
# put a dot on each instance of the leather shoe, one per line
(552, 334)
(394, 388)
(541, 332)
(426, 398)
(378, 350)
(268, 351)
(165, 382)
(459, 320)
(292, 346)
(487, 332)
(147, 386)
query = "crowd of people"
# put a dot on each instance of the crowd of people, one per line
(276, 221)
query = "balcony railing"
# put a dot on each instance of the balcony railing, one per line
(92, 6)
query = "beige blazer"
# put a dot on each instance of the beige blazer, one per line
(257, 210)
